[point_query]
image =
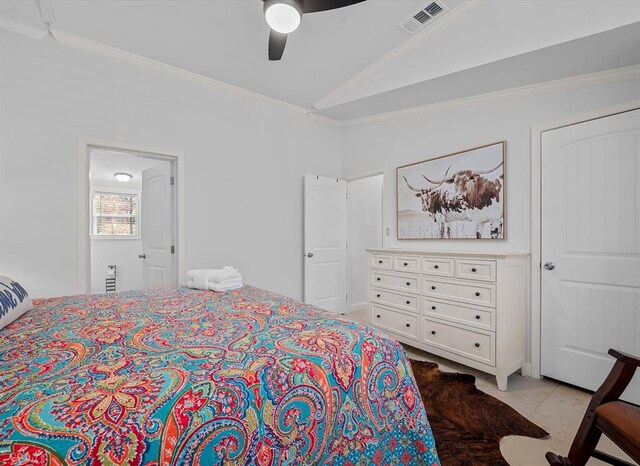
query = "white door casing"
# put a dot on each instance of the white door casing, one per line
(157, 227)
(325, 243)
(590, 294)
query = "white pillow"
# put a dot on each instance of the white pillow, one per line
(14, 301)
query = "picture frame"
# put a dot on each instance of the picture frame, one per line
(461, 195)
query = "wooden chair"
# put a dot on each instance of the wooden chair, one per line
(606, 414)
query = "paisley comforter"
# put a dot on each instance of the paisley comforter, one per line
(182, 377)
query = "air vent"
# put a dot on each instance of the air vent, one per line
(418, 19)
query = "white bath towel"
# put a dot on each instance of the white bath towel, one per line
(219, 287)
(224, 279)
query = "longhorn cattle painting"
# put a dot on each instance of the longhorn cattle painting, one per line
(456, 196)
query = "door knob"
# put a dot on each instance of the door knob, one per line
(549, 265)
(309, 255)
(142, 256)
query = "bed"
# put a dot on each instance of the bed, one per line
(181, 376)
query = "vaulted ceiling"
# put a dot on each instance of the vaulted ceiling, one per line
(356, 61)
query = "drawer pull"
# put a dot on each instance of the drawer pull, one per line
(408, 283)
(436, 266)
(379, 262)
(408, 302)
(433, 332)
(378, 278)
(477, 345)
(405, 264)
(377, 296)
(378, 316)
(433, 287)
(433, 308)
(474, 269)
(478, 317)
(408, 325)
(477, 293)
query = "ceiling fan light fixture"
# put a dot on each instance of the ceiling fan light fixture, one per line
(123, 177)
(282, 16)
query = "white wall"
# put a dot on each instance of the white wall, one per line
(385, 145)
(244, 163)
(365, 231)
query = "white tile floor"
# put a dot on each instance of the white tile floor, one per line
(556, 407)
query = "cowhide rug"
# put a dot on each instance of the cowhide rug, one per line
(467, 423)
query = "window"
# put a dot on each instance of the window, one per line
(115, 214)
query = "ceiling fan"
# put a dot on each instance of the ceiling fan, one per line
(283, 17)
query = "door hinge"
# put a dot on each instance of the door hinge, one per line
(173, 249)
(172, 180)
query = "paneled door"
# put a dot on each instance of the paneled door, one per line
(591, 248)
(157, 227)
(325, 243)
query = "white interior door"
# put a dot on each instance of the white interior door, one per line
(325, 243)
(591, 234)
(157, 227)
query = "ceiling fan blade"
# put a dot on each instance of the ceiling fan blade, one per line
(277, 41)
(313, 6)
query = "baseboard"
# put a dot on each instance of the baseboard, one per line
(526, 370)
(358, 307)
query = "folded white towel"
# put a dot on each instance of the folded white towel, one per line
(219, 287)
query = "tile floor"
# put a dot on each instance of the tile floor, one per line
(556, 407)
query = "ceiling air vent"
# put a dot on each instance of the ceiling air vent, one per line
(421, 17)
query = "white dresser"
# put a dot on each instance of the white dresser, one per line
(466, 307)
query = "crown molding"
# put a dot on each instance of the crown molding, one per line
(22, 27)
(626, 73)
(46, 11)
(88, 45)
(453, 16)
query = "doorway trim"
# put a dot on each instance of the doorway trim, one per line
(536, 217)
(85, 144)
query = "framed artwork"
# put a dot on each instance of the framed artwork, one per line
(455, 196)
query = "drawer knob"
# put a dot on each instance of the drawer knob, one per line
(478, 317)
(433, 307)
(378, 278)
(477, 345)
(433, 287)
(405, 264)
(433, 332)
(408, 325)
(377, 296)
(408, 302)
(477, 293)
(474, 269)
(379, 262)
(408, 283)
(436, 266)
(378, 316)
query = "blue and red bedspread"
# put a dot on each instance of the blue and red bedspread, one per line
(182, 377)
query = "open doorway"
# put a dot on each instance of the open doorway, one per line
(132, 220)
(366, 231)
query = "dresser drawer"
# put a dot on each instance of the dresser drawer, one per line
(477, 317)
(395, 281)
(473, 269)
(405, 301)
(381, 262)
(472, 293)
(476, 345)
(396, 321)
(439, 266)
(406, 264)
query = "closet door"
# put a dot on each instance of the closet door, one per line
(325, 243)
(591, 248)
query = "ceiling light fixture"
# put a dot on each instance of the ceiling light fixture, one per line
(123, 177)
(282, 16)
